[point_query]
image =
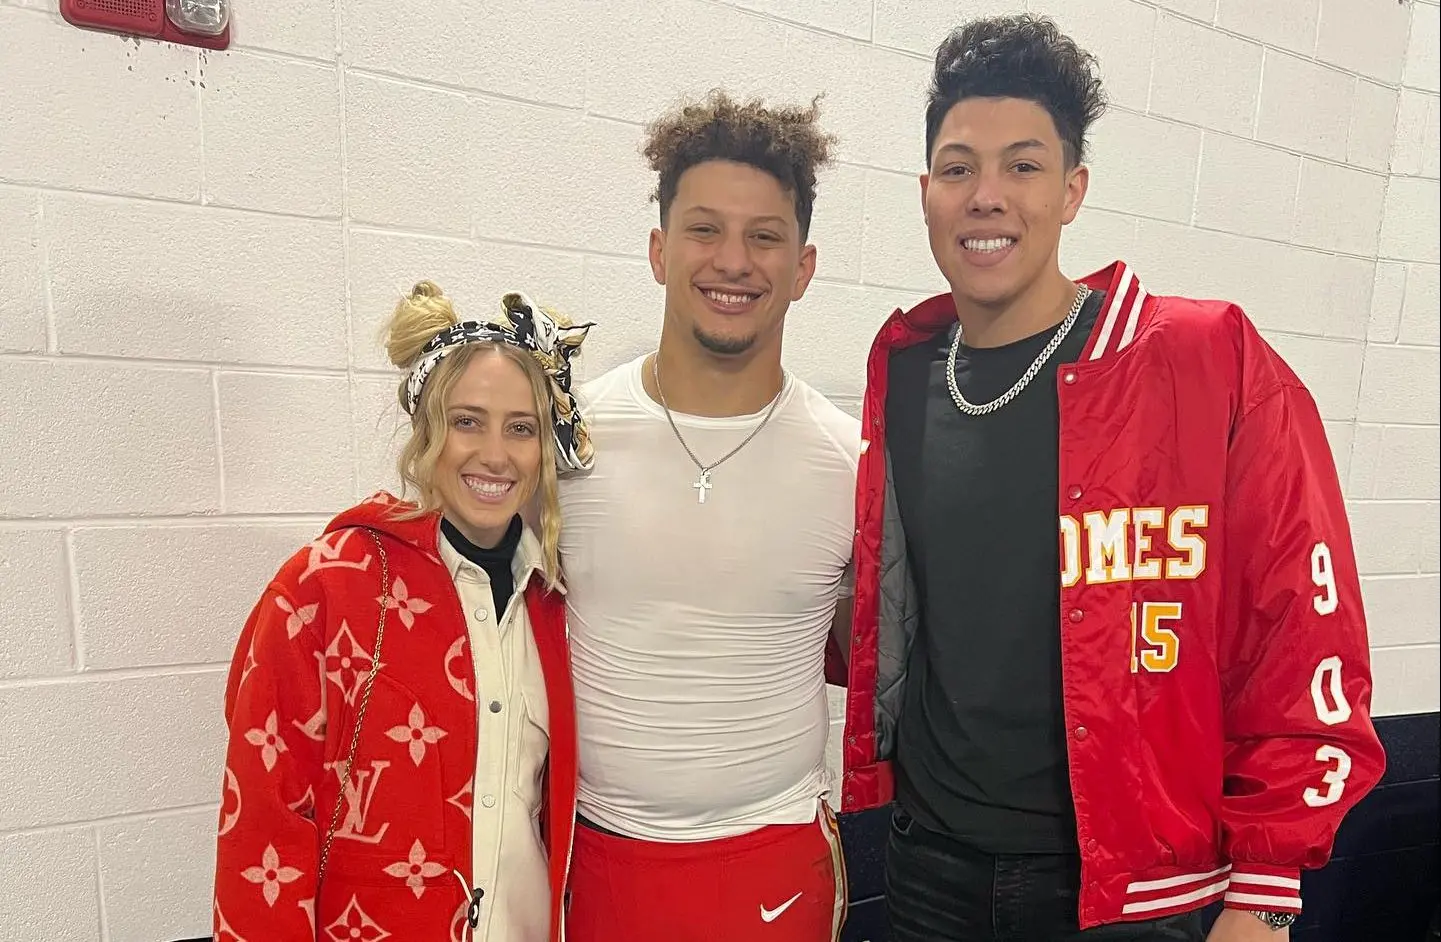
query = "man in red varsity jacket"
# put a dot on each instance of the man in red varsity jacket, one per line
(1109, 654)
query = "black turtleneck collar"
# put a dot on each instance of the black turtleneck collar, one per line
(496, 560)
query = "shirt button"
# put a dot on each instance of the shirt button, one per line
(495, 706)
(481, 614)
(1069, 378)
(1074, 493)
(488, 801)
(1077, 614)
(1082, 732)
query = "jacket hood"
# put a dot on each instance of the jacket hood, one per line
(382, 511)
(386, 513)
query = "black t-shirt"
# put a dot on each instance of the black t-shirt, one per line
(494, 560)
(981, 747)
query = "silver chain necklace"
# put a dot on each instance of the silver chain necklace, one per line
(703, 483)
(970, 408)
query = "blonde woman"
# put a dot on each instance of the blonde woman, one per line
(401, 760)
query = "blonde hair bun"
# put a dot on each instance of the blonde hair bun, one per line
(418, 317)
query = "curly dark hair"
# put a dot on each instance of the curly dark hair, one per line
(1018, 57)
(785, 142)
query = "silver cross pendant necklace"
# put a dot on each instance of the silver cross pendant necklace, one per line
(703, 484)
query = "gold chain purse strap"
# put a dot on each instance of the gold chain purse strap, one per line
(360, 716)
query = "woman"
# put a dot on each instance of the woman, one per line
(433, 797)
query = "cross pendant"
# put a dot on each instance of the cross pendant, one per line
(702, 485)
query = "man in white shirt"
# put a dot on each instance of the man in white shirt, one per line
(707, 561)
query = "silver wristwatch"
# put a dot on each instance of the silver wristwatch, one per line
(1274, 919)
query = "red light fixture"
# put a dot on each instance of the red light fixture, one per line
(203, 23)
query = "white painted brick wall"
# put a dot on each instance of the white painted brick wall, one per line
(126, 579)
(197, 250)
(1318, 131)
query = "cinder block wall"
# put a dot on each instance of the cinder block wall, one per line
(196, 251)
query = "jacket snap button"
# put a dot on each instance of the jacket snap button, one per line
(1077, 614)
(1091, 846)
(1082, 732)
(1069, 378)
(1074, 493)
(495, 706)
(488, 801)
(480, 614)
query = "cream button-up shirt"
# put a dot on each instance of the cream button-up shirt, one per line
(508, 859)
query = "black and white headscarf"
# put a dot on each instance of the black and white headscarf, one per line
(526, 326)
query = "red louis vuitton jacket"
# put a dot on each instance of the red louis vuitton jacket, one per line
(399, 865)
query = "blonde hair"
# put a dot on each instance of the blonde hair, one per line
(418, 317)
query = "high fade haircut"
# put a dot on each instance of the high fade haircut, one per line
(1018, 56)
(785, 142)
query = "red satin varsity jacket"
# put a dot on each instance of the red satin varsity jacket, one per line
(400, 861)
(1215, 664)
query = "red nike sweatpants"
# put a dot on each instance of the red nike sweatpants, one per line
(784, 883)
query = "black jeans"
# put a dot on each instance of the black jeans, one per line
(939, 890)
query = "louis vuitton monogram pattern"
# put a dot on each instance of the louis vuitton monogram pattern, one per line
(400, 861)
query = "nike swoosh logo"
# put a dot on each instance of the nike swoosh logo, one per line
(770, 915)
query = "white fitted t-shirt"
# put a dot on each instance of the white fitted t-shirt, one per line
(698, 630)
